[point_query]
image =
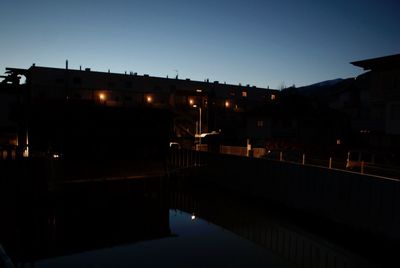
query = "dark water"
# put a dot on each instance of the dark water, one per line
(192, 243)
(158, 223)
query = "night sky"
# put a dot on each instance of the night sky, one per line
(262, 43)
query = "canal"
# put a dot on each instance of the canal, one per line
(170, 222)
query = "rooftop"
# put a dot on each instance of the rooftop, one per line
(387, 62)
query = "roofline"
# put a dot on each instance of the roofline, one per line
(148, 76)
(379, 62)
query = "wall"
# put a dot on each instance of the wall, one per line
(362, 202)
(242, 151)
(393, 118)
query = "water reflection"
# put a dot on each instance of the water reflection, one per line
(85, 217)
(195, 244)
(203, 244)
(157, 223)
(288, 242)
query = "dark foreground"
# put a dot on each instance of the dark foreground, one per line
(172, 222)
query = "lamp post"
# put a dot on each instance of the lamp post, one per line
(198, 131)
(199, 125)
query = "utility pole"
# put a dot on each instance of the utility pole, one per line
(200, 125)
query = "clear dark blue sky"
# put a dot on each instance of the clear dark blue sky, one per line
(253, 42)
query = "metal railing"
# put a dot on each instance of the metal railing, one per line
(187, 158)
(361, 167)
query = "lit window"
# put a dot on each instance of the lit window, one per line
(260, 123)
(102, 96)
(338, 141)
(273, 97)
(244, 94)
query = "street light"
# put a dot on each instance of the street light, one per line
(198, 131)
(102, 97)
(227, 104)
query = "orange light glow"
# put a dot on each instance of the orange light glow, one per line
(191, 101)
(102, 96)
(273, 97)
(227, 104)
(149, 99)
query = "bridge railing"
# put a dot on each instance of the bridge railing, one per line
(361, 201)
(186, 158)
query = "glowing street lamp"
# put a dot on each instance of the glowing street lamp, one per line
(198, 132)
(102, 97)
(149, 99)
(227, 104)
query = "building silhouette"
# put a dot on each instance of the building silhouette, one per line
(65, 110)
(44, 117)
(371, 101)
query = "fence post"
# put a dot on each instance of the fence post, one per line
(362, 167)
(248, 148)
(192, 158)
(176, 161)
(330, 162)
(175, 157)
(171, 157)
(187, 158)
(180, 153)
